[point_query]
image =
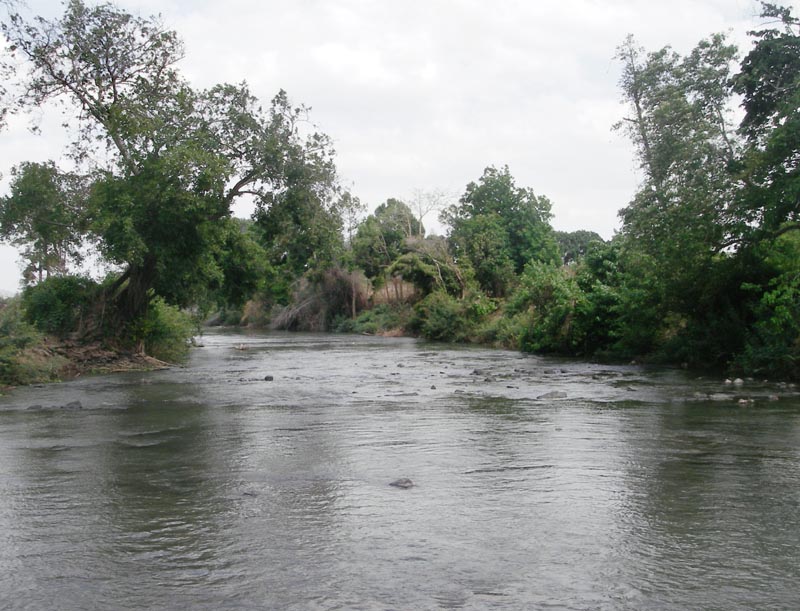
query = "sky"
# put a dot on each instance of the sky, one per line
(425, 94)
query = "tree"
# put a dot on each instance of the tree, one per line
(300, 232)
(685, 143)
(499, 228)
(179, 158)
(575, 244)
(423, 202)
(679, 121)
(769, 83)
(708, 198)
(430, 266)
(382, 237)
(44, 215)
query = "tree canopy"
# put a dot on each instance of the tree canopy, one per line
(178, 157)
(499, 227)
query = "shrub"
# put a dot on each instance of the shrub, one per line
(166, 331)
(549, 296)
(773, 345)
(21, 362)
(442, 317)
(384, 317)
(58, 304)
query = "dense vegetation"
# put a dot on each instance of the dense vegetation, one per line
(705, 270)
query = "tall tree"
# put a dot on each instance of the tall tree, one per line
(499, 228)
(381, 238)
(680, 123)
(685, 142)
(44, 215)
(769, 83)
(179, 158)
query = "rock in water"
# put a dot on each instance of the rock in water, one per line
(403, 482)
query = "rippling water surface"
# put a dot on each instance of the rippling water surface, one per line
(540, 484)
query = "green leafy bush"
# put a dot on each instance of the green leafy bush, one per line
(549, 296)
(773, 345)
(442, 317)
(382, 318)
(166, 331)
(57, 305)
(17, 338)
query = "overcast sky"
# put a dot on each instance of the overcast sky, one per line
(424, 94)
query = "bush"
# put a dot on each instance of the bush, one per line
(549, 297)
(21, 361)
(502, 330)
(773, 345)
(442, 317)
(58, 304)
(382, 318)
(166, 331)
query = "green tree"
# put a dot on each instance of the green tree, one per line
(44, 215)
(381, 238)
(179, 158)
(573, 245)
(680, 124)
(300, 235)
(243, 263)
(679, 223)
(430, 266)
(769, 83)
(499, 228)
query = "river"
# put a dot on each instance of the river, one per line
(257, 477)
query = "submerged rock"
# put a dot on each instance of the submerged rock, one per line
(403, 482)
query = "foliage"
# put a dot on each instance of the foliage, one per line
(499, 227)
(383, 318)
(299, 233)
(381, 238)
(573, 245)
(442, 317)
(773, 343)
(178, 158)
(43, 215)
(15, 335)
(59, 304)
(243, 265)
(166, 331)
(769, 83)
(686, 145)
(550, 296)
(429, 265)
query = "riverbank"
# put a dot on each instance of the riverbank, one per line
(54, 360)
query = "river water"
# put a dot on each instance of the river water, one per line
(539, 483)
